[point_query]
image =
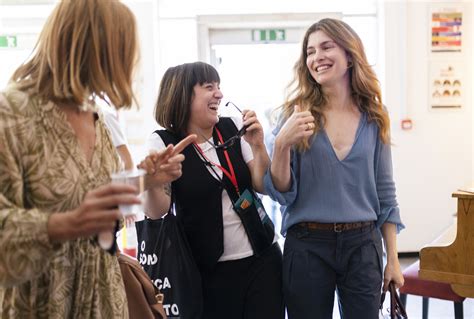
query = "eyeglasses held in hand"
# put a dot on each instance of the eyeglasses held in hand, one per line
(231, 141)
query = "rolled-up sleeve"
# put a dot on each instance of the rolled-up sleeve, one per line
(286, 198)
(386, 191)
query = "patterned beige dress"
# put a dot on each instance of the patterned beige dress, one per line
(43, 170)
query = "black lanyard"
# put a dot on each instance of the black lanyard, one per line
(229, 173)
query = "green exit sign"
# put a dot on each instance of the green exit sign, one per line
(268, 35)
(8, 41)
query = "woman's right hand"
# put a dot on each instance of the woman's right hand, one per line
(298, 126)
(97, 213)
(164, 166)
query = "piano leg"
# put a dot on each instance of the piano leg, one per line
(426, 303)
(403, 299)
(458, 310)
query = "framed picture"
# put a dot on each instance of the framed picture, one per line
(446, 29)
(446, 84)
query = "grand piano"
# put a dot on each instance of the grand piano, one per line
(451, 261)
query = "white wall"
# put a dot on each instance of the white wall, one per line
(140, 122)
(435, 158)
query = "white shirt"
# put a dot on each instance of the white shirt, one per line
(112, 123)
(236, 242)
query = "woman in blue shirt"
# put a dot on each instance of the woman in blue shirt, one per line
(332, 173)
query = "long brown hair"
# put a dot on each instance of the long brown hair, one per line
(365, 88)
(173, 106)
(87, 47)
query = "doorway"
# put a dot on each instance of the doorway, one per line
(254, 76)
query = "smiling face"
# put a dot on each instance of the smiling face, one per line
(205, 105)
(326, 61)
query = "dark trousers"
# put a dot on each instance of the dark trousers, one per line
(248, 288)
(316, 263)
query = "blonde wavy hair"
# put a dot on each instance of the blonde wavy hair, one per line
(366, 93)
(86, 48)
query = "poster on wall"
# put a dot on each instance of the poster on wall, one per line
(446, 30)
(446, 84)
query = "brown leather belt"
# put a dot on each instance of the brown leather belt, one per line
(336, 227)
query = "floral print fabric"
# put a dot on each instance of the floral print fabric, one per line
(43, 170)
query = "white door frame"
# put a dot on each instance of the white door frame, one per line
(215, 29)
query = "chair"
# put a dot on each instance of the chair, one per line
(429, 289)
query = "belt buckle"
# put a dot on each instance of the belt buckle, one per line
(338, 227)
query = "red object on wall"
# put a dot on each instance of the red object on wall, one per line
(407, 124)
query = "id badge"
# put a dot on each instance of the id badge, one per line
(257, 224)
(245, 201)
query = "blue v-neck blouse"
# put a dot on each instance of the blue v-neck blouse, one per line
(325, 189)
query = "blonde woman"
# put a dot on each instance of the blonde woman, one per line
(55, 161)
(332, 172)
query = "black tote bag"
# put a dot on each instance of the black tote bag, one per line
(165, 255)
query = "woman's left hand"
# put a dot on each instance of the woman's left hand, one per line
(393, 273)
(254, 134)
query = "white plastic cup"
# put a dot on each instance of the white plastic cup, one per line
(131, 177)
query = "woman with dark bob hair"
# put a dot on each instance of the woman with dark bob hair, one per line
(241, 277)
